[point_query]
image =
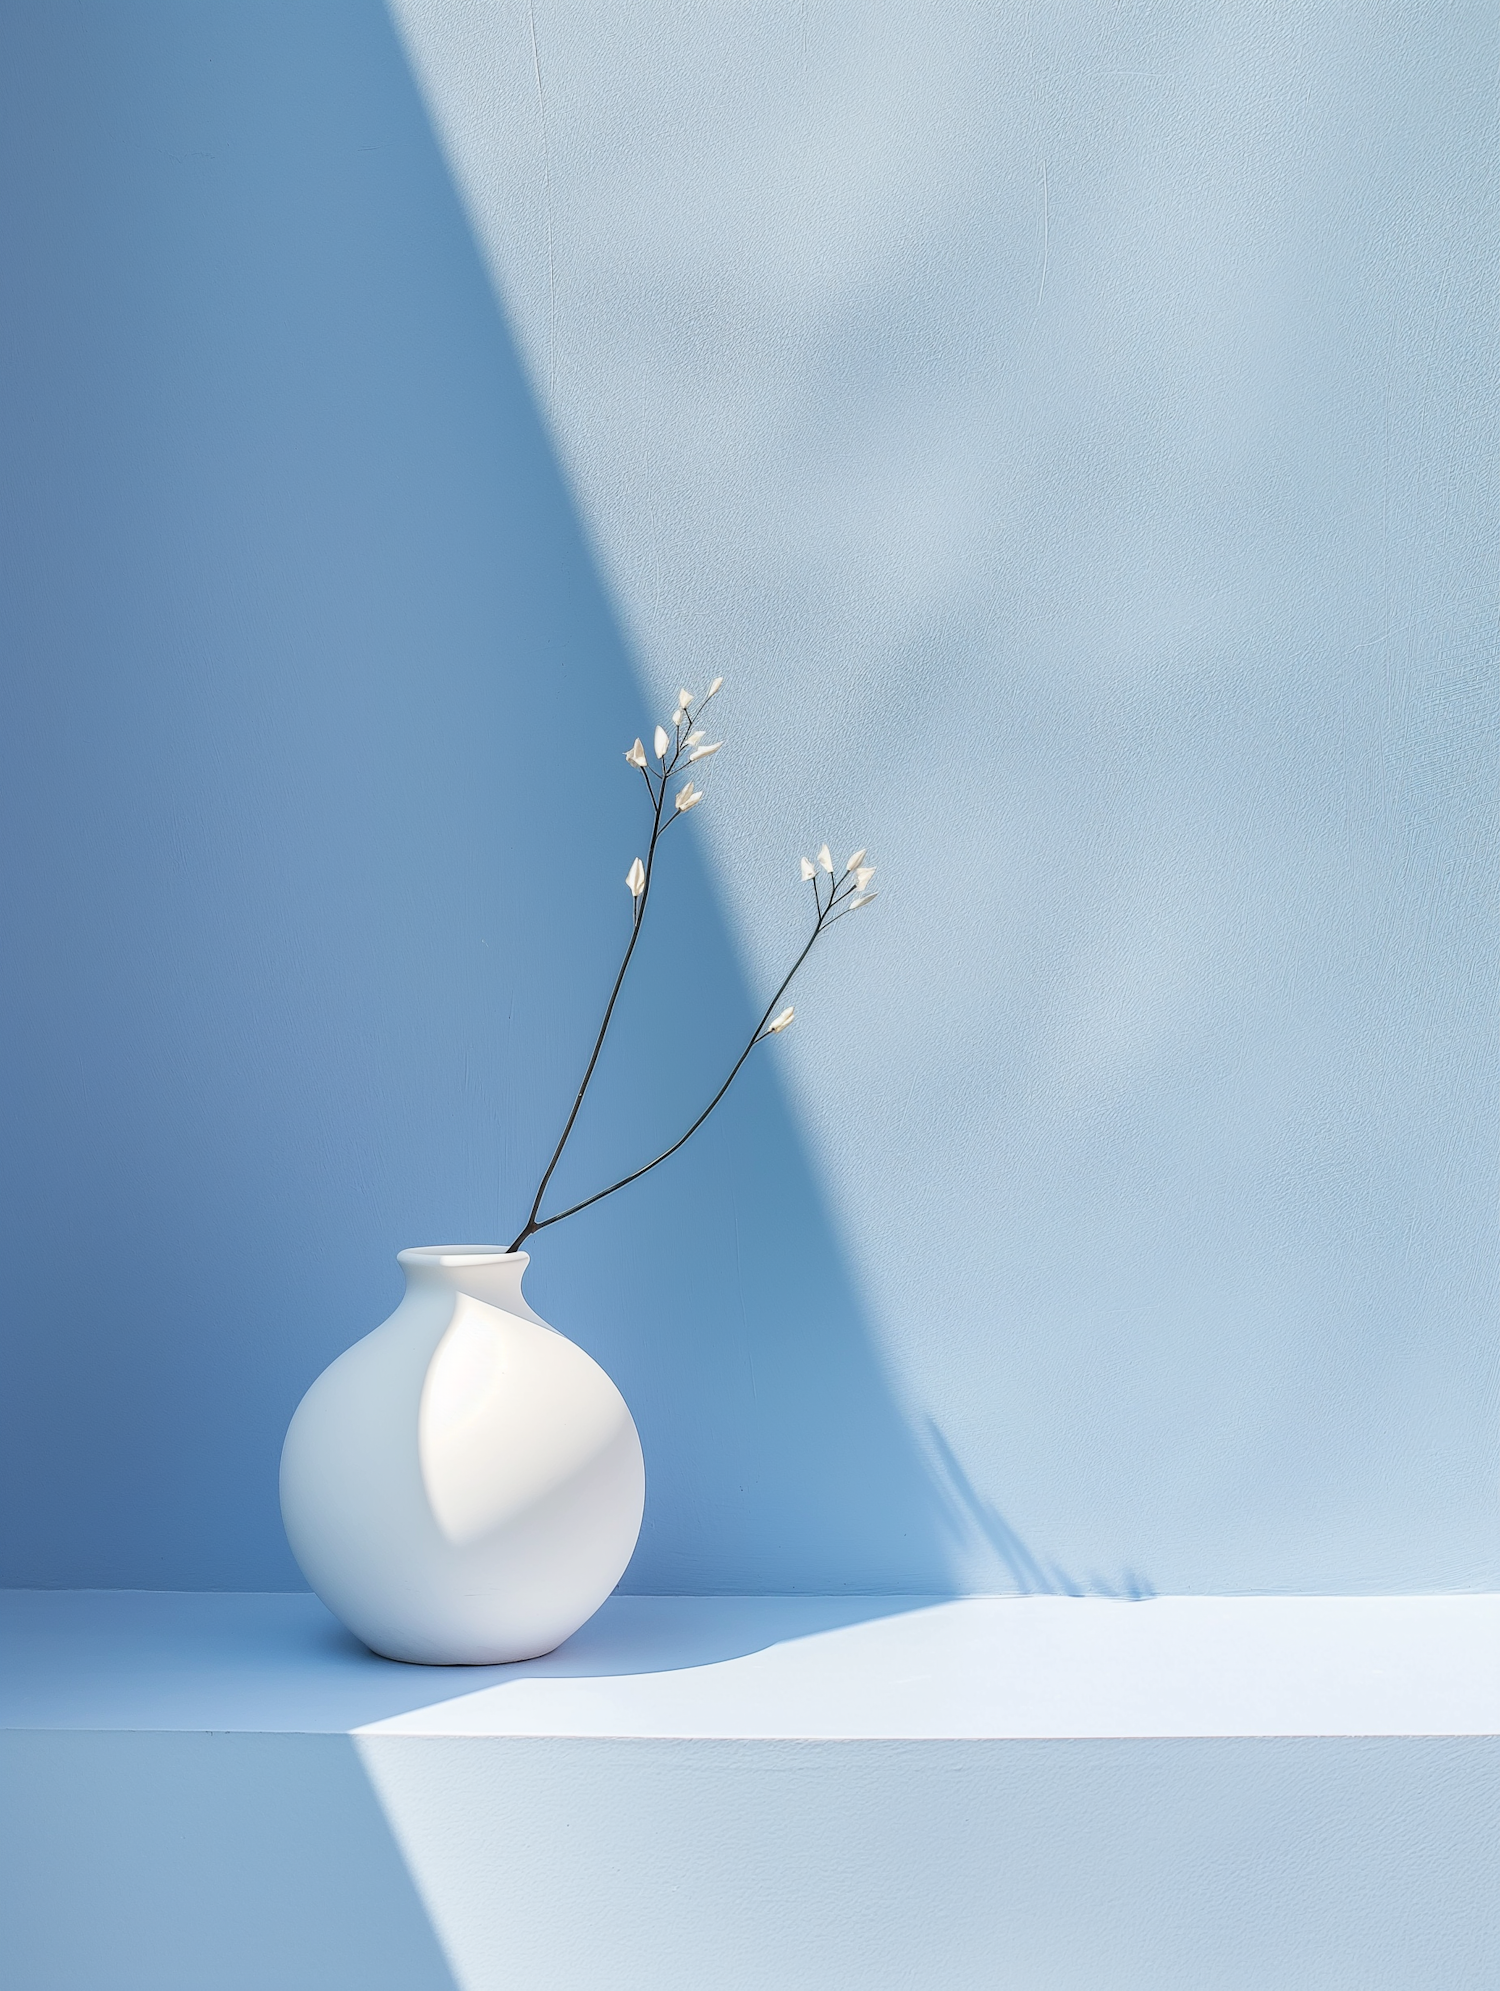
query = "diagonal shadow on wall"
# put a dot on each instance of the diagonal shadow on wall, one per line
(316, 826)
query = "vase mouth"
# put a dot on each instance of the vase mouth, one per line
(456, 1255)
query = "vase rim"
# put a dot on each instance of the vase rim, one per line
(461, 1254)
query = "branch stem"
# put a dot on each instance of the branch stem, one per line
(842, 889)
(666, 1154)
(656, 788)
(637, 919)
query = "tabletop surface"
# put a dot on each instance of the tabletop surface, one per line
(821, 1668)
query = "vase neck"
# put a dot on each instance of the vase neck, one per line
(476, 1269)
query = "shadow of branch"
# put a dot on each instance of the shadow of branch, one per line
(1029, 1574)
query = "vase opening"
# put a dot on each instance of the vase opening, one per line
(461, 1254)
(483, 1271)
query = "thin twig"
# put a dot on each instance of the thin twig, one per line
(637, 920)
(668, 767)
(760, 1031)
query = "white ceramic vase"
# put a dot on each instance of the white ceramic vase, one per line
(464, 1486)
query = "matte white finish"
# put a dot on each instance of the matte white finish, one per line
(464, 1486)
(831, 1669)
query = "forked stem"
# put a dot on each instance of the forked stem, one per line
(844, 896)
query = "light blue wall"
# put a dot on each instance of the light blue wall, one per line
(1071, 431)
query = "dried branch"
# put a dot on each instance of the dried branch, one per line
(844, 892)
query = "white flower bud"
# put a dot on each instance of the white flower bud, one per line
(635, 878)
(662, 741)
(809, 869)
(825, 858)
(636, 755)
(684, 699)
(688, 797)
(702, 753)
(713, 687)
(779, 1023)
(863, 876)
(694, 738)
(863, 900)
(855, 861)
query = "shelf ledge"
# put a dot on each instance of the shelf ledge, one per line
(770, 1668)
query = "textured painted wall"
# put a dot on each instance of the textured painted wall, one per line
(1073, 429)
(315, 829)
(1071, 432)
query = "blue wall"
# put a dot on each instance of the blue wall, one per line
(315, 833)
(1071, 431)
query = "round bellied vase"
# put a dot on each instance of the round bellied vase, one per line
(465, 1485)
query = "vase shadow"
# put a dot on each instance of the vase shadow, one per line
(629, 1635)
(279, 1662)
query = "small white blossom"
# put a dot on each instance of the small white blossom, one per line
(636, 755)
(825, 858)
(694, 738)
(809, 869)
(713, 687)
(635, 878)
(855, 861)
(662, 742)
(863, 900)
(863, 876)
(778, 1023)
(684, 699)
(688, 797)
(702, 753)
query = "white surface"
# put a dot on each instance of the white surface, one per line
(777, 1667)
(463, 1486)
